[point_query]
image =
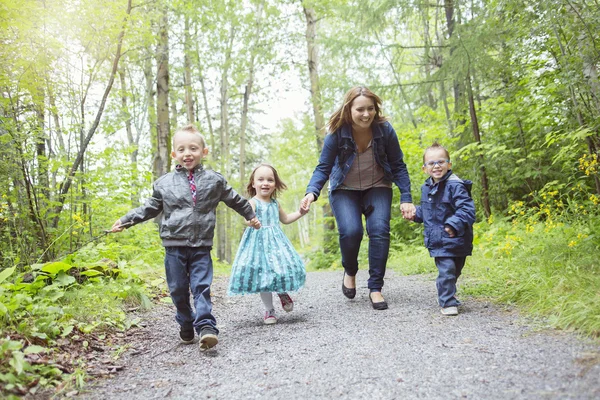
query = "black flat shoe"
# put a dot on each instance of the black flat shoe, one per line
(381, 305)
(348, 292)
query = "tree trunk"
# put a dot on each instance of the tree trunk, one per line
(161, 158)
(130, 140)
(223, 218)
(248, 92)
(187, 65)
(315, 95)
(485, 197)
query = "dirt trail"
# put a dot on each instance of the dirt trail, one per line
(331, 347)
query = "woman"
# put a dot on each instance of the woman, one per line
(361, 158)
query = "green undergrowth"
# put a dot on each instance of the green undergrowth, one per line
(51, 314)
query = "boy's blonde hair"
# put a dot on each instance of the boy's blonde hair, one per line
(190, 128)
(279, 185)
(436, 146)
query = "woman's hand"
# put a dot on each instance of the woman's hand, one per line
(408, 211)
(305, 203)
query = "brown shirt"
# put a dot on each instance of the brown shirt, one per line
(365, 173)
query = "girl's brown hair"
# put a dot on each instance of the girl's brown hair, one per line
(343, 114)
(279, 185)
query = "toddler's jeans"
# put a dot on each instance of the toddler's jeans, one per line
(449, 270)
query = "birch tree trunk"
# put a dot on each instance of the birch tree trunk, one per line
(315, 95)
(248, 92)
(187, 65)
(161, 158)
(130, 139)
(223, 216)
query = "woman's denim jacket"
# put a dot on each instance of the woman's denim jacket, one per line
(339, 151)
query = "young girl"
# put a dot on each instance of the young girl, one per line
(266, 261)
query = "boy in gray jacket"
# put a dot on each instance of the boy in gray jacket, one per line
(188, 198)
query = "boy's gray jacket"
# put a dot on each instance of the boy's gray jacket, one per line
(182, 223)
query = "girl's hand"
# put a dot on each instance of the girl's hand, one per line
(408, 211)
(302, 210)
(255, 223)
(117, 227)
(305, 203)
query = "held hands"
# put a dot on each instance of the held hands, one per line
(117, 227)
(303, 211)
(305, 203)
(255, 223)
(408, 211)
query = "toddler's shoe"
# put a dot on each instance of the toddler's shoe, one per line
(452, 310)
(270, 317)
(186, 334)
(208, 338)
(286, 302)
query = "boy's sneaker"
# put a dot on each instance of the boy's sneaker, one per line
(453, 310)
(186, 335)
(286, 302)
(208, 338)
(270, 317)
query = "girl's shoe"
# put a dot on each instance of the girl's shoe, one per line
(270, 317)
(286, 302)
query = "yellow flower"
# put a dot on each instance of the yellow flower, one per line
(572, 243)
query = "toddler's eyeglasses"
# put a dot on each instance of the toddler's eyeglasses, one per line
(441, 163)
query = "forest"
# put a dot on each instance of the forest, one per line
(92, 91)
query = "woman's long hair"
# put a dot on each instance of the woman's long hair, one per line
(343, 114)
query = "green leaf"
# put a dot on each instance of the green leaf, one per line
(91, 272)
(18, 362)
(6, 273)
(56, 267)
(67, 330)
(63, 279)
(35, 349)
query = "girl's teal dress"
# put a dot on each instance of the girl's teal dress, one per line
(266, 260)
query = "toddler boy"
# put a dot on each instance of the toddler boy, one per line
(448, 213)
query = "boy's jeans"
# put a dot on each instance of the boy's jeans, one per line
(449, 270)
(348, 207)
(190, 268)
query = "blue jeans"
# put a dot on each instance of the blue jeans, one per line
(190, 268)
(348, 206)
(449, 270)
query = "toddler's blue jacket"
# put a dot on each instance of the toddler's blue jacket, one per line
(339, 151)
(447, 202)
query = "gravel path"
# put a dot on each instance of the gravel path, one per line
(330, 347)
